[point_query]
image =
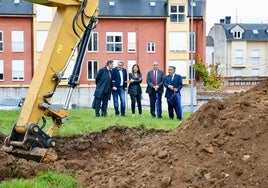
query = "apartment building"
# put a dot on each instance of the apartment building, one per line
(240, 49)
(16, 39)
(131, 31)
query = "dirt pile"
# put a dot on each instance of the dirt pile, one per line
(224, 144)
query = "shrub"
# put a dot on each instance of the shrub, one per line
(209, 75)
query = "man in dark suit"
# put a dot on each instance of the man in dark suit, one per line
(155, 80)
(119, 86)
(103, 89)
(173, 84)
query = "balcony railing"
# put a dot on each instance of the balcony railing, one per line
(244, 80)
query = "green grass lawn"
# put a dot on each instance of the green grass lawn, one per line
(82, 121)
(43, 180)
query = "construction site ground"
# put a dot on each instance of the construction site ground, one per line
(222, 145)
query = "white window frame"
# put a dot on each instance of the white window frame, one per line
(238, 72)
(238, 57)
(1, 70)
(17, 70)
(151, 47)
(237, 35)
(130, 64)
(131, 46)
(69, 70)
(181, 66)
(114, 45)
(17, 41)
(255, 56)
(1, 41)
(94, 69)
(41, 37)
(176, 15)
(178, 41)
(255, 72)
(44, 13)
(93, 44)
(116, 62)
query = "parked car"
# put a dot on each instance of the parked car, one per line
(11, 103)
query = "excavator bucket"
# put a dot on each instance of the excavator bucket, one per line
(45, 155)
(33, 145)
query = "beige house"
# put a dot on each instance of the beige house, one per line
(240, 49)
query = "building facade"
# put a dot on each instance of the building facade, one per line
(240, 49)
(16, 39)
(136, 41)
(132, 31)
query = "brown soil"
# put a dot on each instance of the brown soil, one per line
(224, 144)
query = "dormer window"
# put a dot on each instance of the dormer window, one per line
(237, 32)
(237, 35)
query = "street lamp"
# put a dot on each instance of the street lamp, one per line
(192, 55)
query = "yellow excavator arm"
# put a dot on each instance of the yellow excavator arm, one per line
(70, 30)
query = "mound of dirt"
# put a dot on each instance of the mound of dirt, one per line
(224, 144)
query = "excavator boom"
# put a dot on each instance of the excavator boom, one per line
(70, 30)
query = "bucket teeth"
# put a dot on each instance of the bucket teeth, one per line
(46, 155)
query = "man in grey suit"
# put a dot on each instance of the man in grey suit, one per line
(103, 89)
(155, 89)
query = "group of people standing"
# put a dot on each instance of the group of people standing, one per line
(115, 82)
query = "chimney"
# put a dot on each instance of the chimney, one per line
(228, 19)
(221, 21)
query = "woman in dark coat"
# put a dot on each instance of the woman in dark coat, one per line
(134, 88)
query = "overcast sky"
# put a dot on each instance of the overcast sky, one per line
(241, 11)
